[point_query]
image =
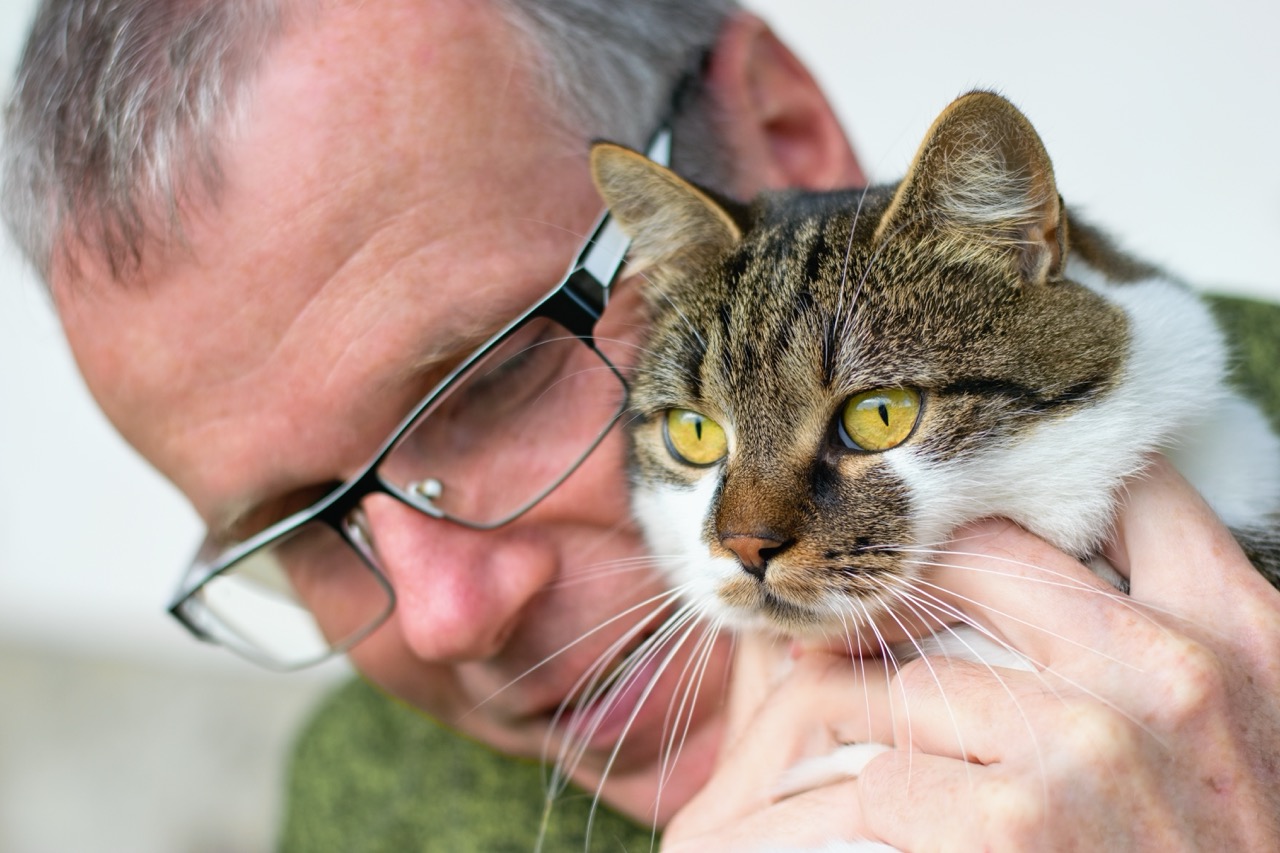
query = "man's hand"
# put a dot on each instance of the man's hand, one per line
(782, 710)
(1152, 723)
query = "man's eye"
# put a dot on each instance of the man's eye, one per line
(267, 513)
(521, 370)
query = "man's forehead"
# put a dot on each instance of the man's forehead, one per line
(378, 220)
(290, 387)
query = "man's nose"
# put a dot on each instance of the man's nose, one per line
(459, 592)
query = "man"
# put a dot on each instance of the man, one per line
(270, 231)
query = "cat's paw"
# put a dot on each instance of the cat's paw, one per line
(844, 762)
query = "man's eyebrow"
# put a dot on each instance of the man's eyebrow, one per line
(428, 367)
(439, 357)
(241, 523)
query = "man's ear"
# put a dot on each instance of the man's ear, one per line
(775, 121)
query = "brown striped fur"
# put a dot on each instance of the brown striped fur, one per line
(768, 318)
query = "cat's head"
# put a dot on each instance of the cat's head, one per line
(833, 381)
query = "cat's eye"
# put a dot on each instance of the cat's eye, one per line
(879, 419)
(693, 438)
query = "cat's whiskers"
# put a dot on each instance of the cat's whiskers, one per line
(848, 254)
(941, 613)
(832, 334)
(610, 568)
(846, 318)
(981, 605)
(890, 663)
(669, 635)
(1054, 578)
(1043, 672)
(916, 597)
(657, 602)
(1062, 580)
(854, 643)
(653, 285)
(659, 357)
(927, 606)
(928, 664)
(684, 708)
(605, 675)
(610, 674)
(952, 610)
(933, 611)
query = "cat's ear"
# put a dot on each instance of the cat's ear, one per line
(982, 178)
(672, 224)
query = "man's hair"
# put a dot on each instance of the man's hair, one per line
(119, 107)
(612, 65)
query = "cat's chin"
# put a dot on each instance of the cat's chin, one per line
(773, 615)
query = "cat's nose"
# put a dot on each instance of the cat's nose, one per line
(753, 552)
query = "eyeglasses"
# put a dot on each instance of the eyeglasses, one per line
(469, 453)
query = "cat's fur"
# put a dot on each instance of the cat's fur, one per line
(1049, 365)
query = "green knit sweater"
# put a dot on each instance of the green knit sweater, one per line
(370, 775)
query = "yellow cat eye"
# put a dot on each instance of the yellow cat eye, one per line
(694, 439)
(879, 419)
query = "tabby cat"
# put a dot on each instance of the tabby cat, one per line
(833, 382)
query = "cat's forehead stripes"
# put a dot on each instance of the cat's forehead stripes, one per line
(802, 314)
(776, 315)
(946, 297)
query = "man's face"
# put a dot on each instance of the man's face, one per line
(395, 193)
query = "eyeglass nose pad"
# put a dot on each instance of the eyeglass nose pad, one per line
(356, 525)
(425, 493)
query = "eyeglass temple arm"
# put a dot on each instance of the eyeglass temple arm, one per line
(594, 271)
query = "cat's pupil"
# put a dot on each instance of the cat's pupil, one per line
(884, 414)
(697, 428)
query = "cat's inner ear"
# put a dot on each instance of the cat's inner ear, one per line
(982, 178)
(673, 225)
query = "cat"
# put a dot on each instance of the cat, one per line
(832, 382)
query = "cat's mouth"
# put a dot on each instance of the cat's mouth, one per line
(784, 612)
(798, 609)
(761, 604)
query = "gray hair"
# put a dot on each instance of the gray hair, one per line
(115, 117)
(119, 106)
(612, 67)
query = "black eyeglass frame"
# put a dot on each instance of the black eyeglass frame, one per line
(576, 303)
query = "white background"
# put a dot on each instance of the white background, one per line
(1161, 119)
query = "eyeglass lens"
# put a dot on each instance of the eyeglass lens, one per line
(502, 436)
(520, 420)
(262, 605)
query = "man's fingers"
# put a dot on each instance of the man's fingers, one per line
(784, 710)
(1024, 590)
(970, 711)
(911, 799)
(819, 702)
(1167, 538)
(805, 821)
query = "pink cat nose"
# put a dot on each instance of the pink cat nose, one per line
(753, 551)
